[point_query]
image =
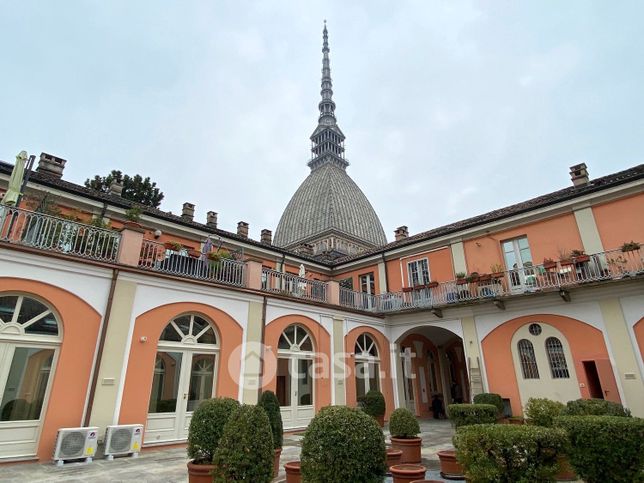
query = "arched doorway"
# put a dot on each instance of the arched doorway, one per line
(294, 378)
(184, 375)
(30, 338)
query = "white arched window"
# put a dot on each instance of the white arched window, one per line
(294, 378)
(528, 360)
(295, 338)
(556, 358)
(367, 365)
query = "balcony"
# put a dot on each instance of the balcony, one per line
(55, 234)
(293, 286)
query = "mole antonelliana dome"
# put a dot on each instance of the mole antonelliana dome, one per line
(329, 214)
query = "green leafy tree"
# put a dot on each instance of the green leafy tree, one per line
(135, 188)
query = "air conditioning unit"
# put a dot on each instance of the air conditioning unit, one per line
(123, 439)
(75, 443)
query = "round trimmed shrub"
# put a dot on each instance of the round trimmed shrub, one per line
(403, 424)
(605, 448)
(373, 403)
(245, 451)
(206, 427)
(507, 453)
(542, 411)
(490, 398)
(466, 414)
(595, 407)
(268, 400)
(343, 444)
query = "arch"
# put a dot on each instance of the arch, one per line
(322, 360)
(586, 343)
(295, 338)
(150, 325)
(382, 345)
(80, 325)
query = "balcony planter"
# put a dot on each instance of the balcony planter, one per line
(630, 246)
(461, 281)
(549, 264)
(276, 462)
(293, 473)
(407, 289)
(451, 469)
(407, 473)
(393, 456)
(199, 473)
(566, 263)
(174, 246)
(410, 448)
(432, 285)
(472, 278)
(581, 259)
(194, 253)
(420, 287)
(498, 275)
(485, 277)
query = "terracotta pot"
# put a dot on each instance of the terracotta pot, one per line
(380, 420)
(407, 473)
(566, 472)
(199, 473)
(498, 275)
(293, 474)
(581, 259)
(410, 448)
(432, 285)
(450, 468)
(393, 456)
(276, 462)
(461, 281)
(549, 265)
(426, 481)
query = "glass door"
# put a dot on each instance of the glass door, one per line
(518, 261)
(408, 381)
(295, 390)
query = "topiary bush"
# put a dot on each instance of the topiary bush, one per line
(206, 427)
(506, 453)
(373, 403)
(343, 444)
(268, 400)
(466, 414)
(245, 451)
(542, 411)
(403, 424)
(605, 448)
(490, 398)
(595, 407)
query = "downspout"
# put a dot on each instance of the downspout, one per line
(101, 346)
(260, 380)
(386, 273)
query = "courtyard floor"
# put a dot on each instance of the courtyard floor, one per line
(169, 464)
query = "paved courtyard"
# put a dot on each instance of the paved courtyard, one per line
(169, 465)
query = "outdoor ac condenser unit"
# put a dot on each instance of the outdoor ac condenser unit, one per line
(75, 443)
(123, 439)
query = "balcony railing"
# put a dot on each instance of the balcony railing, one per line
(155, 257)
(357, 300)
(293, 286)
(45, 232)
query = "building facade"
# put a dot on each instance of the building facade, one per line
(105, 320)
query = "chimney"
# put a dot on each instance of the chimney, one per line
(401, 233)
(305, 249)
(188, 211)
(242, 229)
(51, 165)
(579, 174)
(116, 188)
(211, 219)
(267, 237)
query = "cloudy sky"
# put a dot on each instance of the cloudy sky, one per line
(450, 108)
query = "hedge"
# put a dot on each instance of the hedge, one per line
(542, 411)
(605, 448)
(373, 403)
(343, 445)
(466, 414)
(268, 400)
(595, 407)
(245, 451)
(490, 398)
(403, 424)
(206, 427)
(506, 453)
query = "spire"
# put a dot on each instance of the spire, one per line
(327, 139)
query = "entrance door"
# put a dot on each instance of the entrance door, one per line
(184, 376)
(607, 383)
(408, 381)
(518, 261)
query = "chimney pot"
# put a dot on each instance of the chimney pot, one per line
(579, 174)
(211, 219)
(401, 233)
(116, 188)
(242, 229)
(267, 237)
(51, 165)
(188, 211)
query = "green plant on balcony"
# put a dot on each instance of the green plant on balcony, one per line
(472, 277)
(630, 246)
(133, 214)
(173, 245)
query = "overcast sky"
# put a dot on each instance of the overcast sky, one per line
(450, 108)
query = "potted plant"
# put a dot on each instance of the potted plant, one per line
(194, 253)
(271, 405)
(549, 263)
(630, 246)
(432, 284)
(472, 277)
(460, 278)
(404, 429)
(407, 473)
(565, 258)
(245, 450)
(133, 217)
(485, 277)
(373, 403)
(497, 270)
(393, 457)
(173, 245)
(343, 444)
(578, 256)
(293, 471)
(206, 428)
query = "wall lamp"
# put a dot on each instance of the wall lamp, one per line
(437, 312)
(499, 304)
(564, 294)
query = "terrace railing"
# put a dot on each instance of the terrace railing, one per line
(357, 300)
(294, 286)
(51, 233)
(155, 257)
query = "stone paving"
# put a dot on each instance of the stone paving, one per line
(169, 464)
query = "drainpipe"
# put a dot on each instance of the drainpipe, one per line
(386, 273)
(260, 381)
(101, 345)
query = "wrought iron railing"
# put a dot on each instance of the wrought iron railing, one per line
(51, 233)
(156, 257)
(293, 286)
(357, 300)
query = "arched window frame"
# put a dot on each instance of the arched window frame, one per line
(192, 335)
(556, 358)
(11, 330)
(367, 363)
(298, 342)
(528, 359)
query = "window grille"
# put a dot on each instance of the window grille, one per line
(557, 358)
(528, 360)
